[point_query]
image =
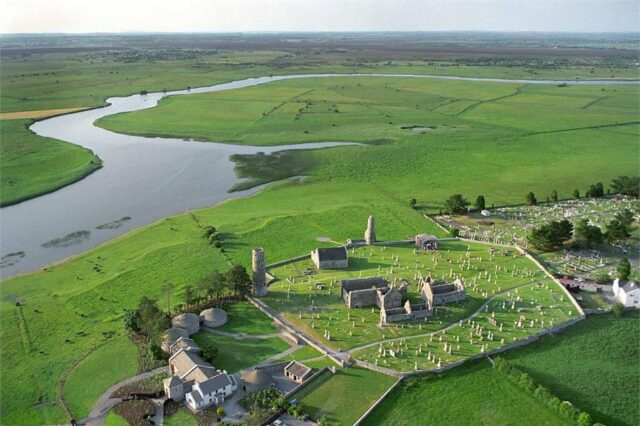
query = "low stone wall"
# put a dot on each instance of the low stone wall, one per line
(394, 243)
(378, 401)
(437, 223)
(290, 260)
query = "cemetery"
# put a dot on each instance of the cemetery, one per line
(510, 225)
(506, 298)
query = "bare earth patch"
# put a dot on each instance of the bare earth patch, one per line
(36, 113)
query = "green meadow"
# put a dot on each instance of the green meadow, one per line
(593, 364)
(471, 394)
(33, 165)
(501, 141)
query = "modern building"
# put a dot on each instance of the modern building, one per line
(627, 293)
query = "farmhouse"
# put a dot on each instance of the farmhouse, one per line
(297, 371)
(330, 257)
(427, 242)
(440, 294)
(627, 293)
(193, 379)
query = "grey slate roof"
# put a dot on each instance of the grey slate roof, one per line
(629, 286)
(215, 383)
(332, 253)
(297, 368)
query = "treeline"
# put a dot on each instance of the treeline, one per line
(524, 381)
(457, 204)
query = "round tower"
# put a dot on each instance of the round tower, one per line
(370, 233)
(259, 269)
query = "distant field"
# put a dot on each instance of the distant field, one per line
(546, 136)
(593, 364)
(32, 165)
(472, 394)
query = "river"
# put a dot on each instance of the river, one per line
(142, 179)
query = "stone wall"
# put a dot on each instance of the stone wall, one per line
(361, 298)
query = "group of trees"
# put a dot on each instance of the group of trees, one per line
(149, 321)
(552, 235)
(212, 236)
(457, 204)
(236, 281)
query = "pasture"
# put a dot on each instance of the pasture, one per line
(471, 394)
(33, 165)
(343, 397)
(593, 364)
(53, 317)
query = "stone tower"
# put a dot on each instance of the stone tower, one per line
(370, 233)
(259, 269)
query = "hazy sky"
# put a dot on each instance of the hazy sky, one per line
(318, 15)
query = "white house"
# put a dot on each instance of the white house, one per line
(627, 293)
(211, 391)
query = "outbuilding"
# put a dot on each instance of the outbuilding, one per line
(187, 321)
(170, 336)
(627, 293)
(297, 371)
(213, 317)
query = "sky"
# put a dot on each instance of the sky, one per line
(78, 16)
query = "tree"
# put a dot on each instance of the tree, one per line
(238, 280)
(595, 191)
(531, 199)
(576, 194)
(480, 203)
(131, 318)
(151, 319)
(456, 204)
(551, 236)
(209, 352)
(626, 185)
(220, 411)
(587, 236)
(208, 231)
(623, 269)
(584, 419)
(554, 196)
(616, 230)
(190, 297)
(412, 203)
(618, 309)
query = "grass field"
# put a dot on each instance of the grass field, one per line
(234, 355)
(33, 165)
(471, 394)
(246, 318)
(344, 397)
(593, 364)
(543, 133)
(108, 365)
(113, 419)
(40, 337)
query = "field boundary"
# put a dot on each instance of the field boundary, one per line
(378, 401)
